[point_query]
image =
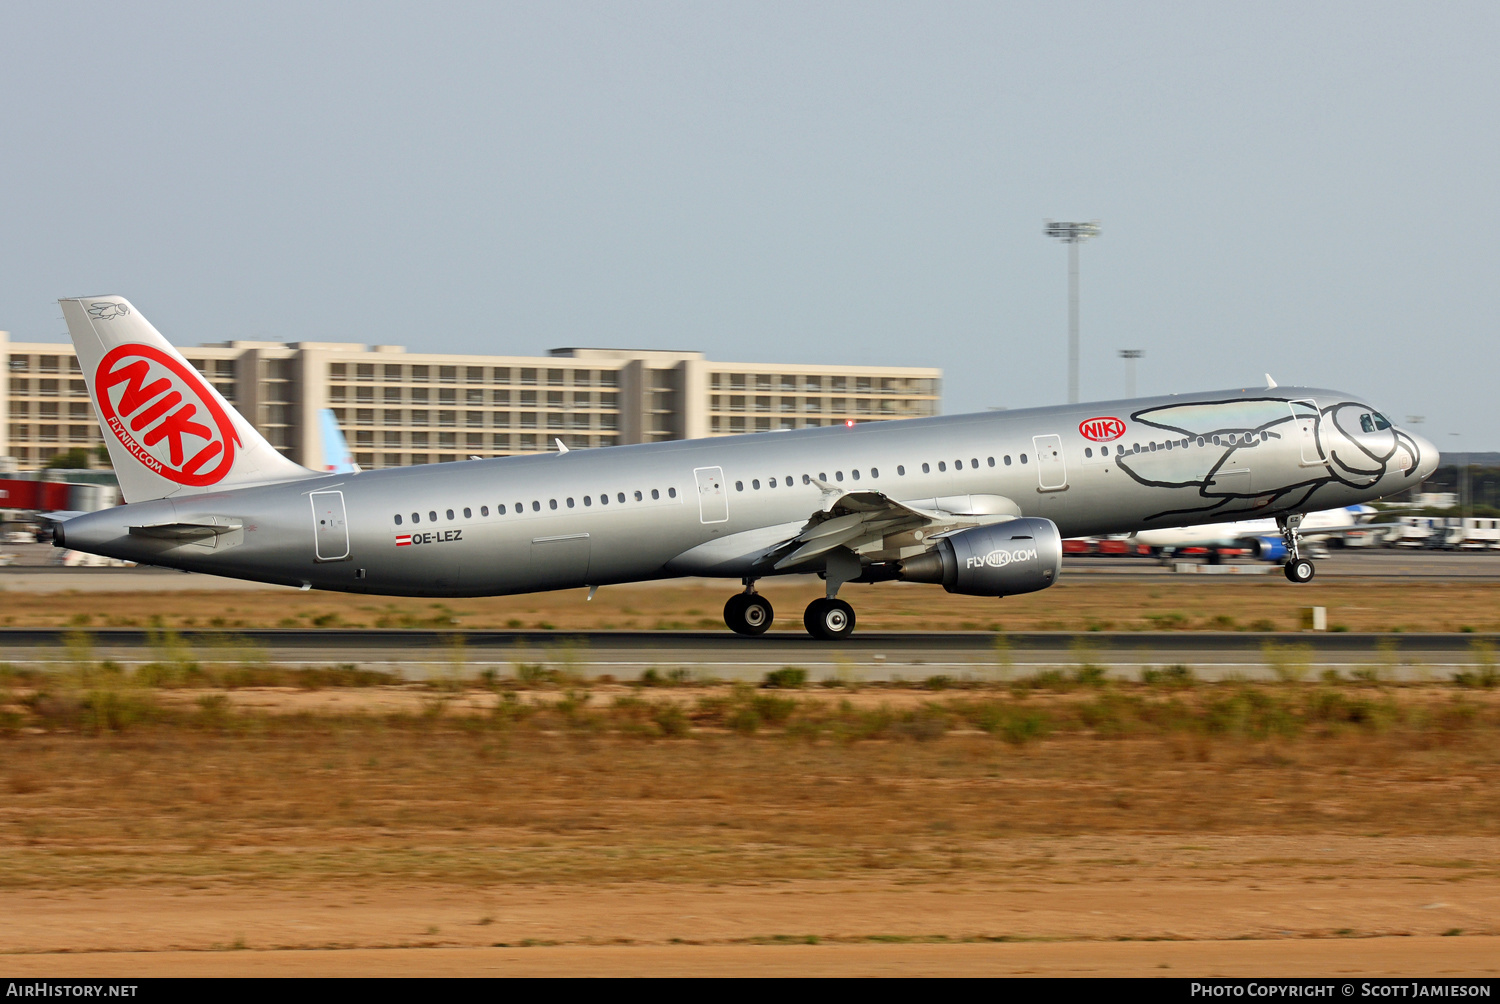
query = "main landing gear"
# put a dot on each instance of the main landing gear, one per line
(829, 619)
(748, 612)
(1297, 568)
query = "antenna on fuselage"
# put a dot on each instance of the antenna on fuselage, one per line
(561, 446)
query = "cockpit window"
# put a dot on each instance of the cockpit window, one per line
(1366, 423)
(1381, 422)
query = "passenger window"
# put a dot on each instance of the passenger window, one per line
(854, 475)
(942, 465)
(588, 500)
(449, 513)
(1007, 460)
(874, 472)
(620, 497)
(1088, 451)
(484, 510)
(398, 519)
(416, 517)
(552, 503)
(991, 460)
(570, 502)
(771, 483)
(655, 494)
(755, 484)
(900, 470)
(958, 465)
(671, 493)
(639, 497)
(432, 517)
(1216, 441)
(739, 486)
(468, 513)
(1200, 440)
(823, 476)
(838, 475)
(500, 509)
(806, 480)
(974, 462)
(537, 506)
(926, 469)
(604, 498)
(1023, 458)
(1367, 423)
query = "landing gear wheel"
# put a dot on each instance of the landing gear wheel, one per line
(829, 620)
(1299, 570)
(748, 613)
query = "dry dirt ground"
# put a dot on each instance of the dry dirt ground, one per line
(1208, 830)
(1076, 604)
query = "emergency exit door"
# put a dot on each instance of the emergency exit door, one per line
(330, 527)
(1051, 468)
(713, 500)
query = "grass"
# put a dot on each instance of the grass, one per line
(113, 778)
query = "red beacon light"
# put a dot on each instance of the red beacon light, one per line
(848, 423)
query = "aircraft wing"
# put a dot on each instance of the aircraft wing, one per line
(1319, 531)
(853, 519)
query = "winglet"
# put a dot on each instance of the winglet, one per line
(1269, 382)
(561, 446)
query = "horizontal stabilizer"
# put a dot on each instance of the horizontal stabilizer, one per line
(184, 531)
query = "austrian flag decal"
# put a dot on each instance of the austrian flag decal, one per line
(403, 540)
(165, 415)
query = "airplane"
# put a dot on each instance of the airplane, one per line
(976, 503)
(336, 456)
(1261, 537)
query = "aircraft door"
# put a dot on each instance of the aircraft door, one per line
(713, 500)
(1051, 468)
(330, 526)
(1306, 415)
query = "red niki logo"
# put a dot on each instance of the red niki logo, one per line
(185, 434)
(1102, 429)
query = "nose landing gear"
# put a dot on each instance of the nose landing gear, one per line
(1297, 568)
(749, 612)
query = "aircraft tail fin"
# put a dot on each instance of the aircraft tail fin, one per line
(169, 432)
(336, 456)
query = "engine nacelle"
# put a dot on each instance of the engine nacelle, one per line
(1017, 556)
(1266, 548)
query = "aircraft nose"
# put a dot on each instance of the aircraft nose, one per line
(1428, 457)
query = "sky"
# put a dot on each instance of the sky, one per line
(1302, 189)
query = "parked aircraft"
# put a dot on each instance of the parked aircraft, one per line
(976, 503)
(1262, 538)
(336, 456)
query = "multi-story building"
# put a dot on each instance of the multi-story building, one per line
(398, 407)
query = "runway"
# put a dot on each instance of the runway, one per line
(869, 657)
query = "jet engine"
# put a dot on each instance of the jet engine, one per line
(1017, 556)
(1266, 548)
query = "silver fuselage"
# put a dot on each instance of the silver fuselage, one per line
(707, 507)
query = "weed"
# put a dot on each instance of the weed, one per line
(788, 677)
